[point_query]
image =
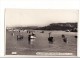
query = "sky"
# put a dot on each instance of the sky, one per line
(39, 17)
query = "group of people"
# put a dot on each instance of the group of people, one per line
(32, 37)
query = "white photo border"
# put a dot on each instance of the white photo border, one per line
(35, 4)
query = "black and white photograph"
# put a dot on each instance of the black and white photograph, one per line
(45, 32)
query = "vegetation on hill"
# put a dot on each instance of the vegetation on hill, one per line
(52, 26)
